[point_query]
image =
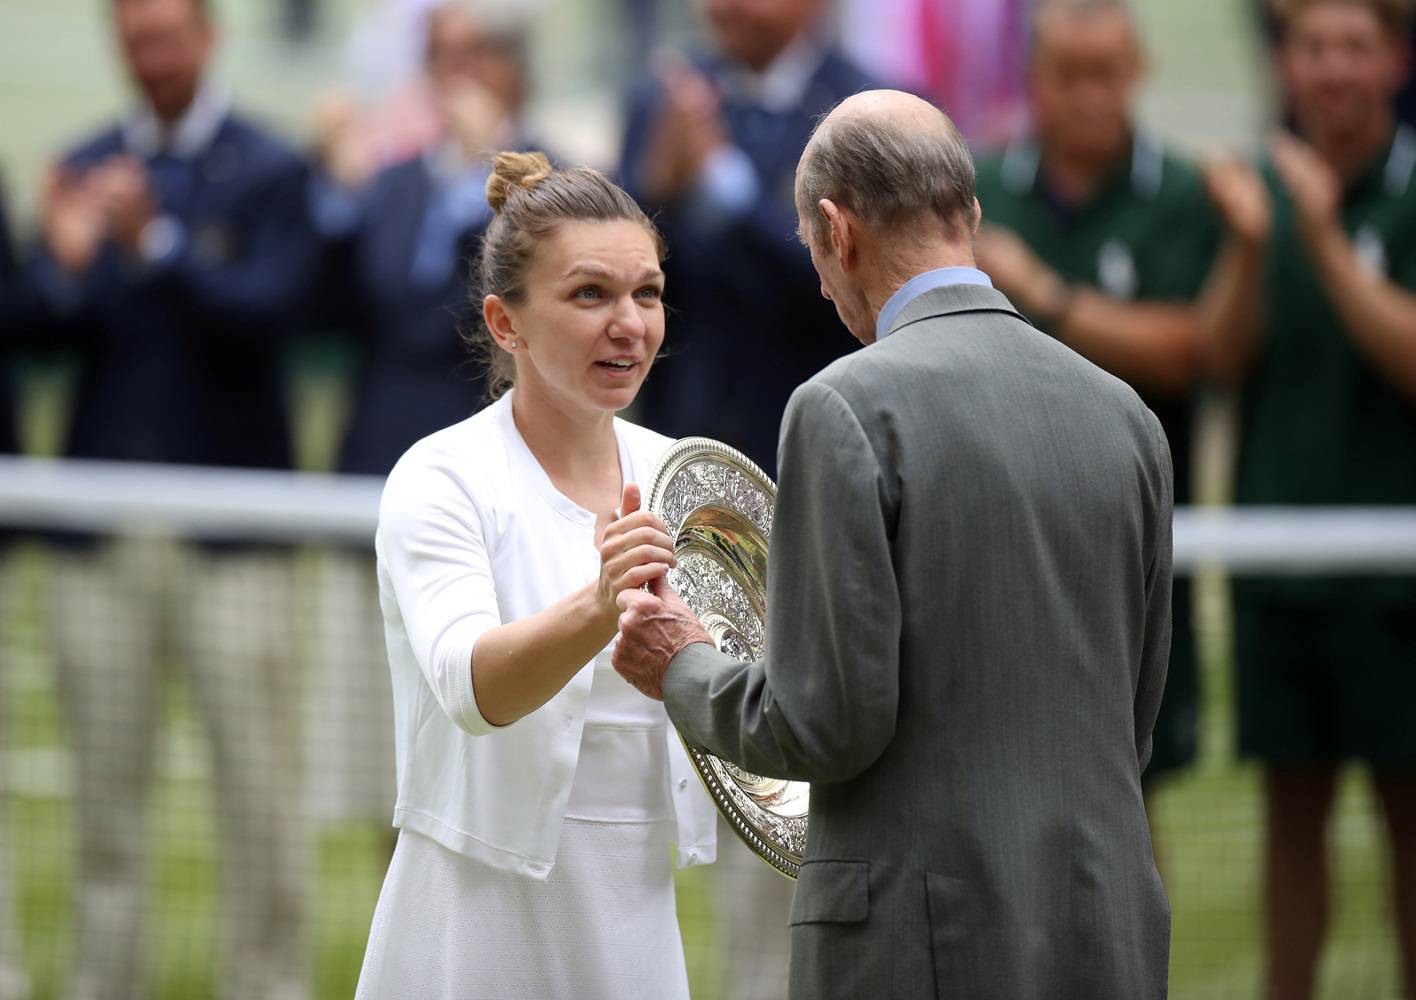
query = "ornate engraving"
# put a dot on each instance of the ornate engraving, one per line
(718, 508)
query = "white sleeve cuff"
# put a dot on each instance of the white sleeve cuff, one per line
(450, 670)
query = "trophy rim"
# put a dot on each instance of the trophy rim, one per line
(682, 453)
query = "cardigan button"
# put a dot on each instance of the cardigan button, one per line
(683, 783)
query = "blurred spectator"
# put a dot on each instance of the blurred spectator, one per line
(1105, 240)
(18, 311)
(711, 145)
(1268, 16)
(398, 252)
(1325, 665)
(967, 56)
(175, 255)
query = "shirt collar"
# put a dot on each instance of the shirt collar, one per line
(1144, 167)
(782, 86)
(921, 283)
(1401, 162)
(188, 137)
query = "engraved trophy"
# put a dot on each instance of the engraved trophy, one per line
(718, 508)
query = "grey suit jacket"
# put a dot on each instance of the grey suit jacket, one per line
(967, 631)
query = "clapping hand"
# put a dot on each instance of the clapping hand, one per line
(72, 220)
(1241, 198)
(688, 131)
(1314, 186)
(1020, 274)
(124, 190)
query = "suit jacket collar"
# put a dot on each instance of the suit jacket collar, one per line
(950, 300)
(188, 137)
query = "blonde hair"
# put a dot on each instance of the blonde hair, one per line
(530, 198)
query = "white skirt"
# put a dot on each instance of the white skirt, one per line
(602, 925)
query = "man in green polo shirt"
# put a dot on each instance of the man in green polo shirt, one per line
(1327, 666)
(1111, 244)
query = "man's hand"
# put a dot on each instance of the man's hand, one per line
(1314, 186)
(342, 144)
(688, 131)
(475, 119)
(1020, 274)
(653, 628)
(124, 189)
(72, 220)
(1241, 198)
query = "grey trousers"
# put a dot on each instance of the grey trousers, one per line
(119, 614)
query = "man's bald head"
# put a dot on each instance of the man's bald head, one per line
(890, 158)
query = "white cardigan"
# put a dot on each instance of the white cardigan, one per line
(472, 533)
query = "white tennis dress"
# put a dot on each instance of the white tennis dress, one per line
(534, 860)
(602, 925)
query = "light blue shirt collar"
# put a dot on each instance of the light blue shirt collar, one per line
(921, 283)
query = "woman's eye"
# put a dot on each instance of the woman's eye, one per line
(650, 292)
(587, 294)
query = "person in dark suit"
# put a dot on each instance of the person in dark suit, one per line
(397, 252)
(176, 258)
(968, 613)
(711, 146)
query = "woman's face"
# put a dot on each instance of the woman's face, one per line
(593, 318)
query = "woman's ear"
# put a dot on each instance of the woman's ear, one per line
(501, 324)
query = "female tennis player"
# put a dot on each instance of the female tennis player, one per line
(539, 795)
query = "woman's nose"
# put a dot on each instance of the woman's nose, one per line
(627, 319)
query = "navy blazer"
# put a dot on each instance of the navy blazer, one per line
(749, 323)
(181, 361)
(415, 374)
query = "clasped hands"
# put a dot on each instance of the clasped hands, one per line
(655, 624)
(112, 200)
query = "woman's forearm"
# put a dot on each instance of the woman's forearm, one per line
(518, 667)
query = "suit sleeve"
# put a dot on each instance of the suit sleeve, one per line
(822, 705)
(1155, 646)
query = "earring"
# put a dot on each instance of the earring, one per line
(513, 345)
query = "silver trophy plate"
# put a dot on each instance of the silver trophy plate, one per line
(718, 508)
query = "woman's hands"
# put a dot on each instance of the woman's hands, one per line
(635, 550)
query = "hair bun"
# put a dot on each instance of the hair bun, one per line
(513, 171)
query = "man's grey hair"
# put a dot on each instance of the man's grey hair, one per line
(891, 173)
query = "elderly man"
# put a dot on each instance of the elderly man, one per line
(968, 613)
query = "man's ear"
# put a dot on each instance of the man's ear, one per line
(976, 221)
(501, 324)
(841, 232)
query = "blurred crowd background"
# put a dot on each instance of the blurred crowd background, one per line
(240, 235)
